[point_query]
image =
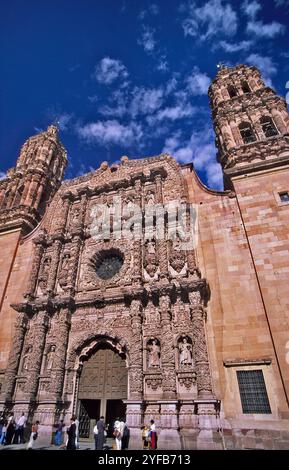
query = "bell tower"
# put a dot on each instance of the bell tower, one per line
(30, 186)
(251, 122)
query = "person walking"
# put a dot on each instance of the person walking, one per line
(33, 435)
(100, 436)
(3, 435)
(76, 432)
(125, 437)
(117, 434)
(20, 429)
(58, 433)
(153, 435)
(71, 431)
(95, 435)
(11, 427)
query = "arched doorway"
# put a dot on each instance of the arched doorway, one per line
(102, 389)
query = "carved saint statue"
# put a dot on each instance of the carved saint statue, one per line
(64, 273)
(43, 278)
(154, 354)
(49, 357)
(25, 359)
(185, 350)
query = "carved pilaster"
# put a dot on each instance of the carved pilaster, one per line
(56, 250)
(35, 359)
(58, 371)
(200, 352)
(135, 371)
(36, 262)
(159, 195)
(14, 358)
(62, 218)
(167, 349)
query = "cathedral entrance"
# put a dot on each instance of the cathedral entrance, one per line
(102, 389)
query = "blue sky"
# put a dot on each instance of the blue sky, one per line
(126, 77)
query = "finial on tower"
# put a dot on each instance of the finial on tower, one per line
(221, 65)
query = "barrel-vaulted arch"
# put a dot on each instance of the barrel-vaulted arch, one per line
(83, 347)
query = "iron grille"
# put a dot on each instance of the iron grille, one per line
(253, 391)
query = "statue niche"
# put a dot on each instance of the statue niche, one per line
(50, 357)
(150, 261)
(63, 276)
(154, 353)
(44, 275)
(185, 351)
(25, 360)
(177, 257)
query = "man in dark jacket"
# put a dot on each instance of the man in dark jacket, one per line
(100, 437)
(71, 431)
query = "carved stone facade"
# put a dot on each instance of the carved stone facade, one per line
(154, 310)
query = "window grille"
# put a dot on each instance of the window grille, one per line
(253, 392)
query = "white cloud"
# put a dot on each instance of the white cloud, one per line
(2, 175)
(108, 70)
(265, 64)
(214, 175)
(251, 8)
(64, 120)
(198, 82)
(147, 39)
(214, 17)
(110, 132)
(261, 30)
(235, 47)
(200, 150)
(163, 65)
(146, 101)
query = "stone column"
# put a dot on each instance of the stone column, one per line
(137, 243)
(36, 262)
(134, 402)
(167, 349)
(62, 219)
(39, 334)
(205, 402)
(236, 133)
(14, 358)
(55, 256)
(159, 196)
(279, 121)
(169, 437)
(75, 252)
(200, 352)
(135, 366)
(58, 371)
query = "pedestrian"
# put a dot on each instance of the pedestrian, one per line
(145, 437)
(100, 437)
(3, 435)
(76, 432)
(153, 435)
(125, 437)
(71, 431)
(33, 435)
(20, 429)
(95, 435)
(11, 426)
(58, 433)
(117, 434)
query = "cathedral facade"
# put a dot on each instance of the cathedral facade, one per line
(192, 335)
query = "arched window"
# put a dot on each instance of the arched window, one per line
(245, 87)
(247, 133)
(269, 130)
(232, 91)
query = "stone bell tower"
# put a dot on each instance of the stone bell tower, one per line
(252, 136)
(24, 196)
(30, 186)
(251, 122)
